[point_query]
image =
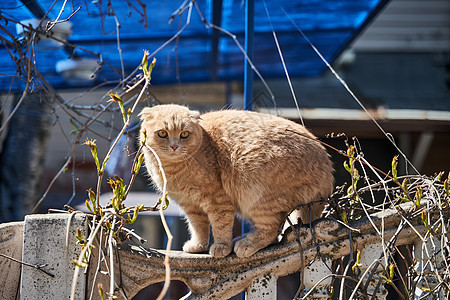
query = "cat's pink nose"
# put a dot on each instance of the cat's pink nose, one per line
(174, 147)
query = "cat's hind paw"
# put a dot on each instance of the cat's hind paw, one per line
(245, 248)
(194, 247)
(220, 250)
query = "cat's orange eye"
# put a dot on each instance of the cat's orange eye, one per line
(162, 134)
(184, 134)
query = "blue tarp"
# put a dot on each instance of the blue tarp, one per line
(200, 53)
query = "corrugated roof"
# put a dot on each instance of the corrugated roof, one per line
(409, 26)
(200, 53)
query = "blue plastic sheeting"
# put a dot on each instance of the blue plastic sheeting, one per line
(200, 53)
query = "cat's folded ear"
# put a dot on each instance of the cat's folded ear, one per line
(146, 113)
(195, 115)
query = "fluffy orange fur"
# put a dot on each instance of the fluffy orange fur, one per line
(226, 162)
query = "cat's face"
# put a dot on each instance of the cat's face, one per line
(172, 131)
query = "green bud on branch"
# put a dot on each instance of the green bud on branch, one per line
(137, 164)
(446, 187)
(418, 196)
(83, 264)
(166, 202)
(118, 100)
(357, 264)
(79, 237)
(93, 146)
(425, 222)
(89, 207)
(119, 190)
(144, 134)
(101, 291)
(77, 129)
(394, 165)
(391, 275)
(137, 209)
(405, 185)
(344, 217)
(145, 67)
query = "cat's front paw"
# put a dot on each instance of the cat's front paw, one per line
(245, 248)
(220, 250)
(194, 247)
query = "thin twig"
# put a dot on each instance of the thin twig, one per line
(111, 259)
(166, 228)
(99, 260)
(373, 264)
(38, 267)
(288, 78)
(51, 24)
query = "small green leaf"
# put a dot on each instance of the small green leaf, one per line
(405, 185)
(84, 264)
(144, 63)
(124, 211)
(394, 167)
(391, 271)
(357, 264)
(350, 190)
(101, 291)
(92, 203)
(166, 202)
(118, 100)
(138, 164)
(152, 65)
(79, 237)
(418, 196)
(425, 222)
(104, 165)
(119, 190)
(77, 129)
(93, 146)
(446, 187)
(89, 207)
(344, 217)
(144, 134)
(404, 199)
(135, 214)
(351, 151)
(74, 131)
(386, 279)
(114, 97)
(145, 67)
(347, 167)
(436, 231)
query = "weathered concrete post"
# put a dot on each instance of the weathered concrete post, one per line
(50, 240)
(264, 288)
(316, 273)
(429, 266)
(369, 254)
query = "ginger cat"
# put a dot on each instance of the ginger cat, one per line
(227, 162)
